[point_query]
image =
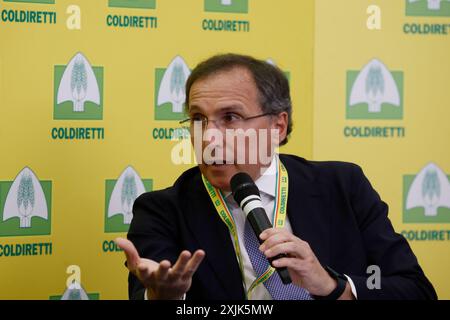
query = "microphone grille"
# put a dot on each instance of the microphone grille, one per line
(242, 186)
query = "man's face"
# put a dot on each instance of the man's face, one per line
(232, 94)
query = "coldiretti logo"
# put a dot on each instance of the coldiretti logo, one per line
(234, 6)
(428, 8)
(140, 4)
(26, 205)
(119, 199)
(374, 92)
(426, 196)
(32, 1)
(75, 291)
(170, 86)
(78, 90)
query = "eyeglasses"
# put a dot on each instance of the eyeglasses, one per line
(227, 121)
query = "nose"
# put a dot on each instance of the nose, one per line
(210, 131)
(211, 124)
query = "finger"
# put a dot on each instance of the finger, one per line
(193, 264)
(146, 267)
(162, 272)
(180, 266)
(130, 252)
(146, 272)
(267, 233)
(275, 239)
(289, 248)
(291, 263)
(293, 266)
(272, 231)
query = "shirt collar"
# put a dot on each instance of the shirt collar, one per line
(266, 182)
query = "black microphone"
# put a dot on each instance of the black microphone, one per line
(246, 194)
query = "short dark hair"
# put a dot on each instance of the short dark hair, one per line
(272, 84)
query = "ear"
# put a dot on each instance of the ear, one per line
(280, 122)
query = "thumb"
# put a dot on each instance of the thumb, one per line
(130, 252)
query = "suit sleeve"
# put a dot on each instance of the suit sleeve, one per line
(153, 231)
(401, 275)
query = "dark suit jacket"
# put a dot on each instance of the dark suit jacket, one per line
(331, 205)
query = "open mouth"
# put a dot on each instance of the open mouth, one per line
(218, 163)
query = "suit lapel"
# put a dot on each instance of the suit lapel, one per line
(306, 209)
(213, 237)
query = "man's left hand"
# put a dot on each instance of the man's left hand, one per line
(303, 266)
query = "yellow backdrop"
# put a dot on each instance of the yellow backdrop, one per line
(90, 98)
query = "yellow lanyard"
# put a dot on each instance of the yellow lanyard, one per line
(279, 217)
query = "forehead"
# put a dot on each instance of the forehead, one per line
(234, 84)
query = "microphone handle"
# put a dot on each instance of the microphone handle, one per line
(259, 222)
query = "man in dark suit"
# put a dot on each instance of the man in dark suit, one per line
(192, 241)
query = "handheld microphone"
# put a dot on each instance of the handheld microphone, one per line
(246, 194)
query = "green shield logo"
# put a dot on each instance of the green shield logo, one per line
(428, 8)
(119, 199)
(25, 205)
(170, 94)
(426, 196)
(75, 291)
(78, 90)
(374, 93)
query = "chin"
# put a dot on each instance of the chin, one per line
(221, 184)
(220, 176)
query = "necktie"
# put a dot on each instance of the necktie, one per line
(274, 285)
